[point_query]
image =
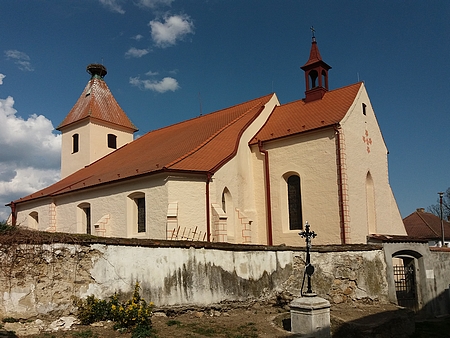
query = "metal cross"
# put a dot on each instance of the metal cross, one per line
(313, 31)
(309, 268)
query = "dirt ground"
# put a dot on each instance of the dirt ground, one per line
(251, 322)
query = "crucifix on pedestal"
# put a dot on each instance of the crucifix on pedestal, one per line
(309, 268)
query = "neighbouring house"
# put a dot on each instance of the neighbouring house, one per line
(427, 226)
(251, 173)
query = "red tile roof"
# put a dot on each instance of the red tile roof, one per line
(199, 145)
(298, 116)
(97, 102)
(422, 224)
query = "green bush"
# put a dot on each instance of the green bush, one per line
(4, 226)
(134, 314)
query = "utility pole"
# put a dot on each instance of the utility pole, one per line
(442, 221)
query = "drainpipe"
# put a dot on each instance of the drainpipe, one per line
(208, 221)
(268, 203)
(13, 213)
(337, 130)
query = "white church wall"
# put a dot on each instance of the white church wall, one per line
(189, 192)
(112, 201)
(366, 152)
(99, 139)
(71, 162)
(237, 176)
(311, 156)
(42, 209)
(93, 144)
(259, 224)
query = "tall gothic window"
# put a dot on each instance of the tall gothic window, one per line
(294, 202)
(140, 204)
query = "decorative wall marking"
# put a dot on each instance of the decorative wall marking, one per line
(367, 140)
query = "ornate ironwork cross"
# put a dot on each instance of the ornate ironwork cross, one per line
(313, 31)
(309, 268)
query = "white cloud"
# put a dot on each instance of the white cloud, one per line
(113, 5)
(162, 86)
(2, 76)
(154, 3)
(174, 28)
(29, 154)
(137, 37)
(20, 58)
(150, 73)
(136, 53)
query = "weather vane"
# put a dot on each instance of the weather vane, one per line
(309, 268)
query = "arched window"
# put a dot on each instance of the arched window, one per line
(228, 209)
(33, 220)
(313, 78)
(138, 212)
(75, 143)
(85, 215)
(370, 205)
(324, 79)
(112, 141)
(294, 202)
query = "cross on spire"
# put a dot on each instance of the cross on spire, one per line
(313, 32)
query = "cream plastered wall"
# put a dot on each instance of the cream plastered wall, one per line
(365, 152)
(42, 207)
(261, 236)
(71, 162)
(312, 156)
(112, 201)
(93, 144)
(237, 175)
(189, 192)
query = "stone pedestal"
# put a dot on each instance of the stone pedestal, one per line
(310, 317)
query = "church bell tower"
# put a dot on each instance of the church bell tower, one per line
(95, 126)
(316, 73)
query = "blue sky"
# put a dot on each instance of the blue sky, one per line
(169, 60)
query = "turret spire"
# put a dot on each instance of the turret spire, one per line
(316, 73)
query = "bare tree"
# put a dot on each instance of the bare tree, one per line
(436, 208)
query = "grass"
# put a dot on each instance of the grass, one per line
(84, 334)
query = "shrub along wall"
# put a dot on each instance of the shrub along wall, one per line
(41, 274)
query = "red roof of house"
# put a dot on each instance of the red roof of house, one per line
(199, 145)
(97, 102)
(297, 117)
(421, 224)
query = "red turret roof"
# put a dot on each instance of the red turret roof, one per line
(96, 102)
(314, 56)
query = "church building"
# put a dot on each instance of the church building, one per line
(253, 173)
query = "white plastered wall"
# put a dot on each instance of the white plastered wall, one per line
(237, 175)
(365, 151)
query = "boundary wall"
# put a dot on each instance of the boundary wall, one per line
(38, 280)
